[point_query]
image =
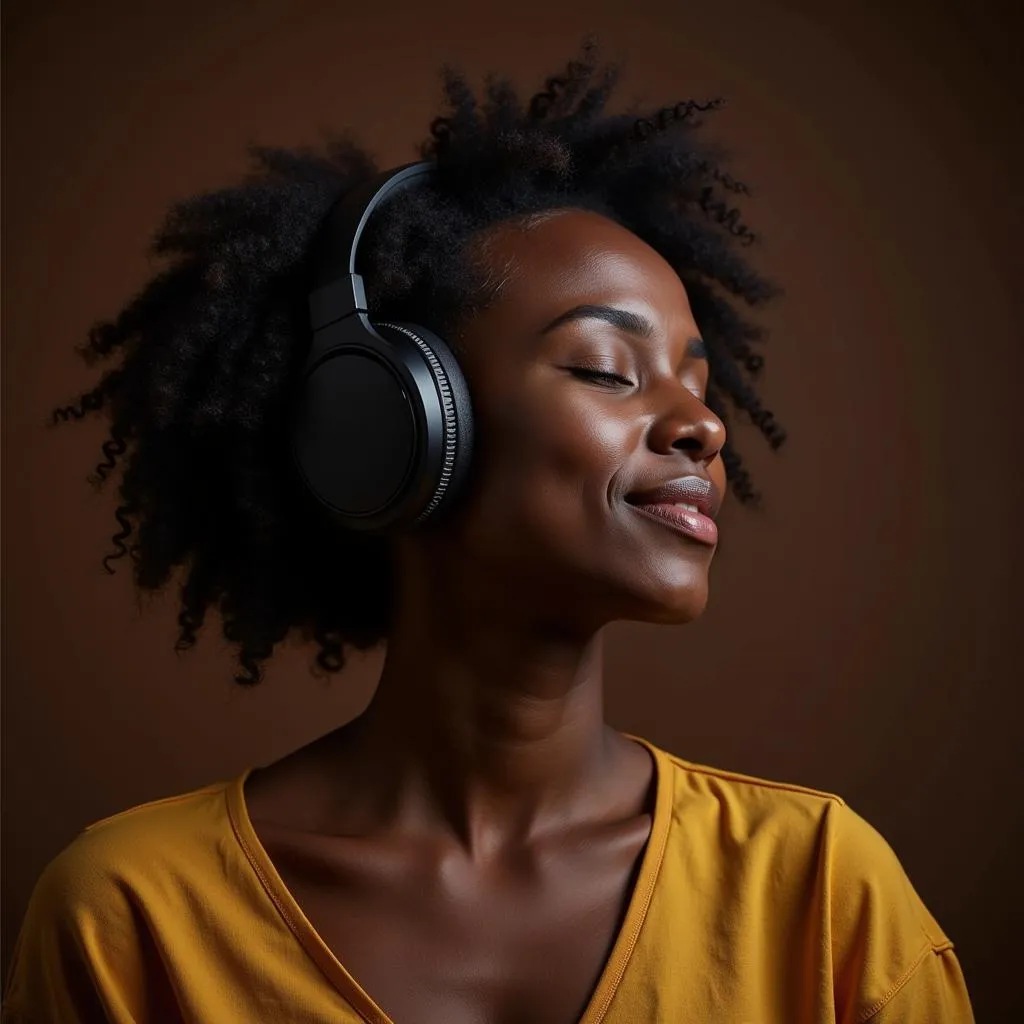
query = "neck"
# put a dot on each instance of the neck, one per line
(487, 725)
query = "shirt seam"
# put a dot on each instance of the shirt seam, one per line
(648, 897)
(160, 801)
(293, 925)
(901, 981)
(721, 773)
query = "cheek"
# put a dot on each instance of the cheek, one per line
(546, 470)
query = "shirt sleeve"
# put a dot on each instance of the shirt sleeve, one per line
(74, 960)
(933, 992)
(892, 962)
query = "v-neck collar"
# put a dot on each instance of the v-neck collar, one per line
(346, 984)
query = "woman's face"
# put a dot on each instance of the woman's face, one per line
(547, 517)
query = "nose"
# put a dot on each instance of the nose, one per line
(685, 423)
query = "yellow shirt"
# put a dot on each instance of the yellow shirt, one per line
(756, 903)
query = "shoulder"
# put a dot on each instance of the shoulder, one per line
(699, 779)
(102, 911)
(832, 868)
(86, 939)
(750, 808)
(133, 851)
(167, 812)
(859, 865)
(794, 868)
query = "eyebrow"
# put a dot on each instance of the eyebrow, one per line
(624, 320)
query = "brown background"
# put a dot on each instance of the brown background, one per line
(862, 637)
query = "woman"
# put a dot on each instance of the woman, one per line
(478, 845)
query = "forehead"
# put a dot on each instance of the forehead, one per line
(550, 263)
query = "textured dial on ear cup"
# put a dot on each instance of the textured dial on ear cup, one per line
(448, 415)
(449, 453)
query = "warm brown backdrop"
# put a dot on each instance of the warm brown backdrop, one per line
(862, 637)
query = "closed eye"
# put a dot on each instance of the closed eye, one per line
(588, 374)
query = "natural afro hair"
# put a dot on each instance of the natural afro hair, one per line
(210, 347)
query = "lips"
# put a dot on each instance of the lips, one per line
(696, 491)
(686, 504)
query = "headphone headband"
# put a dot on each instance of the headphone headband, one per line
(337, 290)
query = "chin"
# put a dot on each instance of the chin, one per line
(671, 605)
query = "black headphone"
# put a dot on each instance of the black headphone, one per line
(382, 425)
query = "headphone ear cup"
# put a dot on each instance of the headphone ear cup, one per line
(442, 478)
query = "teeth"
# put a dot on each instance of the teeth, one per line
(690, 508)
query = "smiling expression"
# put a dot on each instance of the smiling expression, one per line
(588, 374)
